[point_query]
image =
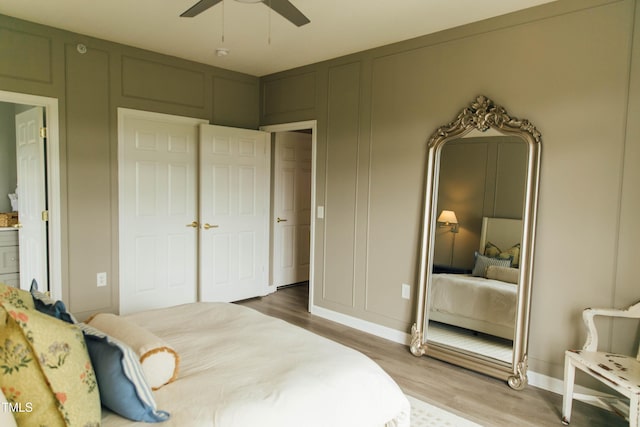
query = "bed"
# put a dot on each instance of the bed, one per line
(484, 301)
(237, 368)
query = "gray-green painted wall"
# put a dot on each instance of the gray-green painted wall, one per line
(572, 68)
(44, 61)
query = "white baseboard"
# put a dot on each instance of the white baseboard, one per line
(535, 379)
(581, 393)
(362, 325)
(545, 382)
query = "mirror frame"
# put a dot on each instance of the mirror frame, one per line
(481, 115)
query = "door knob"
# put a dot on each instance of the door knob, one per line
(207, 226)
(194, 224)
(281, 220)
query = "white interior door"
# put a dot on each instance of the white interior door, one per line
(292, 207)
(234, 213)
(32, 201)
(158, 211)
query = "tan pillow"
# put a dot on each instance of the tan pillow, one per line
(504, 274)
(158, 359)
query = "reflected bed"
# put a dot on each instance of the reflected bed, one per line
(475, 303)
(486, 300)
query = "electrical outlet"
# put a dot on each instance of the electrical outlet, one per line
(406, 291)
(101, 279)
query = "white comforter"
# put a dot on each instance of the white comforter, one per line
(475, 298)
(240, 368)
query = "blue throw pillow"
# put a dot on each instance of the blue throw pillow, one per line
(46, 305)
(123, 387)
(483, 262)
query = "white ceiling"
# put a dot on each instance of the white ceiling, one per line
(260, 42)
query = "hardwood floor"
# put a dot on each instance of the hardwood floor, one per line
(479, 398)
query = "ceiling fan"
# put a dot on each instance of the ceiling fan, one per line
(282, 7)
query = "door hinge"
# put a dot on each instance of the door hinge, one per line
(43, 132)
(45, 216)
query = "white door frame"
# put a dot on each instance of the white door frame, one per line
(50, 106)
(313, 125)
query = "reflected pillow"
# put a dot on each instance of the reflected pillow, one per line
(504, 274)
(492, 251)
(514, 251)
(483, 262)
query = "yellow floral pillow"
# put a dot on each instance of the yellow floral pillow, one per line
(45, 367)
(492, 251)
(16, 296)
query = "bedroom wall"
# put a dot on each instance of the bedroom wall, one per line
(90, 87)
(571, 68)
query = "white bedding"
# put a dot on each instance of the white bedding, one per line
(485, 301)
(240, 368)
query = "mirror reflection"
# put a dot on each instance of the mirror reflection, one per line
(478, 234)
(476, 245)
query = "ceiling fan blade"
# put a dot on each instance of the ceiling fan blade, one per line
(288, 11)
(199, 7)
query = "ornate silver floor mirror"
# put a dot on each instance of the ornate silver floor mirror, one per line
(478, 233)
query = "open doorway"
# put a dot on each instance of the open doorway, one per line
(291, 207)
(30, 160)
(293, 203)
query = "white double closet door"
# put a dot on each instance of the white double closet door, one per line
(194, 211)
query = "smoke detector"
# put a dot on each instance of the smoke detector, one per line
(222, 51)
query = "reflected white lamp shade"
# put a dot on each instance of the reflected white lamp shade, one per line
(448, 217)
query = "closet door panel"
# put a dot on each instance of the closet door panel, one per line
(158, 205)
(234, 213)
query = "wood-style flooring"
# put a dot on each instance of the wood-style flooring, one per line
(479, 398)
